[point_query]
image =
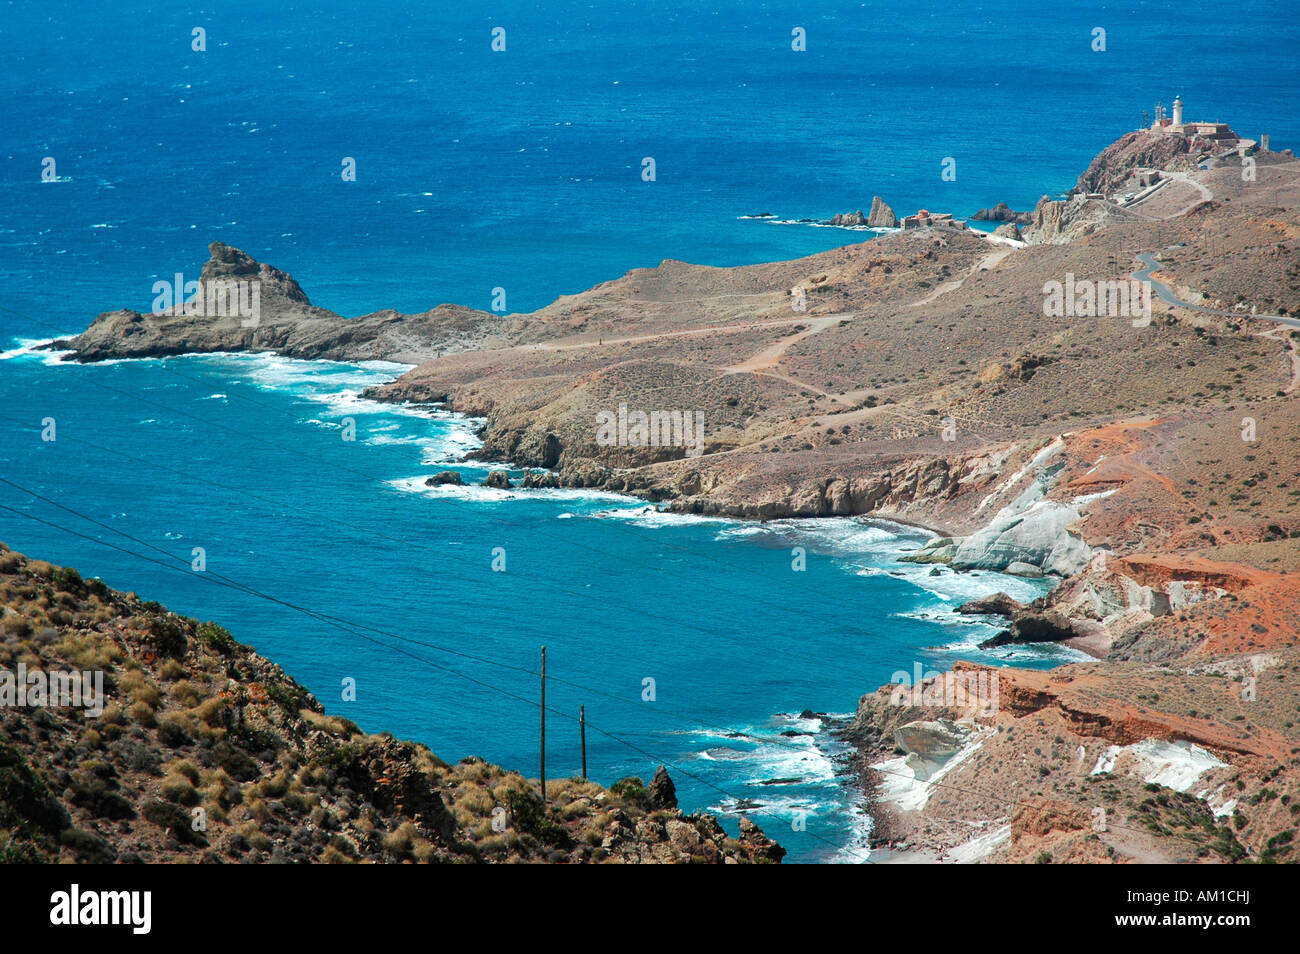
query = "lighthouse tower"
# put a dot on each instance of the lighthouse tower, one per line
(1178, 111)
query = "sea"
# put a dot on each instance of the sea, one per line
(704, 645)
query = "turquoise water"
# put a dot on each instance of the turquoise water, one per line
(520, 170)
(243, 456)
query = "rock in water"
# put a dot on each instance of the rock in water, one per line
(1048, 627)
(498, 479)
(847, 219)
(445, 477)
(938, 550)
(661, 790)
(882, 216)
(542, 479)
(999, 604)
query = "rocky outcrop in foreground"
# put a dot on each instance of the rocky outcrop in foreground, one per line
(207, 752)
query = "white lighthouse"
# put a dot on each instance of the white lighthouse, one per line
(1178, 111)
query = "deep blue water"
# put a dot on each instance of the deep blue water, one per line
(521, 170)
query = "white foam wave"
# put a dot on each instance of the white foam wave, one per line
(35, 347)
(647, 515)
(789, 750)
(835, 536)
(339, 387)
(481, 494)
(959, 587)
(819, 224)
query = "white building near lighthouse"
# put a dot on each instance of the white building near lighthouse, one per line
(1219, 133)
(1175, 124)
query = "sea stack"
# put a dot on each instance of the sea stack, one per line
(882, 216)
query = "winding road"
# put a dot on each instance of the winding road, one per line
(1168, 297)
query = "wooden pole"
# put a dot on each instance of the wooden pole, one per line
(543, 759)
(582, 728)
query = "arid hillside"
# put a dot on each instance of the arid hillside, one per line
(206, 752)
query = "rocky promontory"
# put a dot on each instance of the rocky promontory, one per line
(286, 322)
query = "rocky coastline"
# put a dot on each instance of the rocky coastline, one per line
(1097, 453)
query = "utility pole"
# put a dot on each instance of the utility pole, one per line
(582, 730)
(543, 771)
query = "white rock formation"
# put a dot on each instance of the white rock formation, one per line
(1029, 530)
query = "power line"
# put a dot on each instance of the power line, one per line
(331, 463)
(347, 626)
(353, 629)
(658, 710)
(486, 685)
